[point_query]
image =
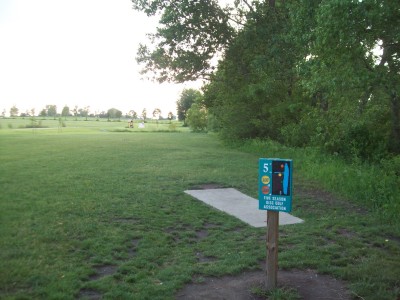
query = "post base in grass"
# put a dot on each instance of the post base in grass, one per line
(272, 249)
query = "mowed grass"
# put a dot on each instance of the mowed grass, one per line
(72, 202)
(94, 213)
(80, 125)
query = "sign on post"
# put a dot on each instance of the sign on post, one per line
(275, 184)
(274, 195)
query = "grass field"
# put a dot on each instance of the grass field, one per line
(93, 209)
(93, 125)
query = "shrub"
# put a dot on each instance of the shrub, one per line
(197, 118)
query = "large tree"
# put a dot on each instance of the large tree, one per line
(65, 112)
(157, 113)
(14, 111)
(114, 113)
(189, 34)
(144, 114)
(84, 112)
(253, 92)
(350, 67)
(133, 114)
(43, 113)
(51, 111)
(185, 101)
(75, 112)
(303, 72)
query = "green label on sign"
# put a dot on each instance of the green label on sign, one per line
(275, 184)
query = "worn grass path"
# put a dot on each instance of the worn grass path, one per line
(103, 214)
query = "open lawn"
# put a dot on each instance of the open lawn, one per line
(93, 125)
(97, 210)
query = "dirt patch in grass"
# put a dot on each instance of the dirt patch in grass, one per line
(89, 294)
(133, 247)
(201, 234)
(330, 200)
(103, 270)
(308, 284)
(204, 259)
(207, 186)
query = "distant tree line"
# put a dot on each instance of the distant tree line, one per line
(304, 72)
(76, 112)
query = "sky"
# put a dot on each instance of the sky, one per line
(77, 52)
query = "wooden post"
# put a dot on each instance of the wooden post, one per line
(272, 249)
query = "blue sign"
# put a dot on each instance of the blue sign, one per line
(275, 184)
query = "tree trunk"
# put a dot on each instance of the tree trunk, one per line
(388, 54)
(395, 136)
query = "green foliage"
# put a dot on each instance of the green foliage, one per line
(189, 35)
(252, 93)
(144, 115)
(197, 117)
(185, 101)
(51, 111)
(212, 123)
(14, 111)
(84, 112)
(114, 113)
(342, 70)
(43, 113)
(156, 113)
(339, 101)
(133, 114)
(35, 124)
(305, 73)
(65, 112)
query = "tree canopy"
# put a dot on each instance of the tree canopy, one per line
(114, 113)
(13, 111)
(189, 34)
(302, 72)
(185, 102)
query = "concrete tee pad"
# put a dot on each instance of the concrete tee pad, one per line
(239, 205)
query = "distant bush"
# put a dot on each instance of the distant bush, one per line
(35, 126)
